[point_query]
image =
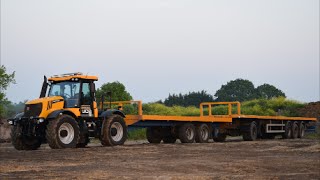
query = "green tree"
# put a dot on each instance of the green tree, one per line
(267, 91)
(117, 89)
(190, 99)
(5, 80)
(237, 90)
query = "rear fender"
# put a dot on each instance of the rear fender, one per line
(110, 112)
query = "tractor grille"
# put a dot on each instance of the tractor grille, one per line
(32, 110)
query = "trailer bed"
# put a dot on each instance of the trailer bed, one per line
(208, 118)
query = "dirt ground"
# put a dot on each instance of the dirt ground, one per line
(235, 159)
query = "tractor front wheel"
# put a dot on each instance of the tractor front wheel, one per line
(23, 142)
(63, 132)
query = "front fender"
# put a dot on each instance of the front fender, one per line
(56, 113)
(111, 112)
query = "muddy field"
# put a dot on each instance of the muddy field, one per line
(236, 159)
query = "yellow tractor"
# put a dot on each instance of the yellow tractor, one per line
(66, 115)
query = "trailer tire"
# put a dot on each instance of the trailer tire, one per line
(21, 142)
(252, 134)
(202, 133)
(168, 135)
(187, 133)
(63, 132)
(154, 135)
(114, 131)
(217, 136)
(302, 129)
(295, 130)
(288, 131)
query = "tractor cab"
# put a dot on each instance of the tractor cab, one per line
(77, 91)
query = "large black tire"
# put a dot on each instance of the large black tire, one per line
(252, 133)
(114, 131)
(302, 129)
(217, 136)
(295, 130)
(202, 133)
(84, 135)
(187, 133)
(154, 135)
(63, 132)
(21, 142)
(288, 130)
(168, 136)
(84, 141)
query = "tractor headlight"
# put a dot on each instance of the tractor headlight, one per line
(40, 120)
(10, 121)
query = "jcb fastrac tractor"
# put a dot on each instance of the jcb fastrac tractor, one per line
(66, 115)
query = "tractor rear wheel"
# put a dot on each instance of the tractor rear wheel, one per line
(154, 135)
(63, 132)
(22, 142)
(114, 131)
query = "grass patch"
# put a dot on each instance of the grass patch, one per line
(137, 134)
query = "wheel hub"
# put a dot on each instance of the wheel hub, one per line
(116, 131)
(66, 133)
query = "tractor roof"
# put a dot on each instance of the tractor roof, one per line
(72, 76)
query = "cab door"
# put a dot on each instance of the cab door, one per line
(87, 99)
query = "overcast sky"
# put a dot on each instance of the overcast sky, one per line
(157, 47)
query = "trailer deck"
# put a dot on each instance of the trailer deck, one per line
(204, 117)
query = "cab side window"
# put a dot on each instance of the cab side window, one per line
(86, 96)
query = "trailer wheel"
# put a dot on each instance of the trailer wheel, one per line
(168, 135)
(217, 136)
(21, 142)
(295, 130)
(63, 132)
(187, 133)
(202, 133)
(154, 135)
(288, 131)
(252, 134)
(114, 131)
(302, 128)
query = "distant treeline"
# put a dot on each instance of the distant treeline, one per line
(237, 90)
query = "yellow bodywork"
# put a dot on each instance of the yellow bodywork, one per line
(50, 104)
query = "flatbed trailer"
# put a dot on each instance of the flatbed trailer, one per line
(207, 125)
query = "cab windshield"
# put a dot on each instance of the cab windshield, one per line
(68, 90)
